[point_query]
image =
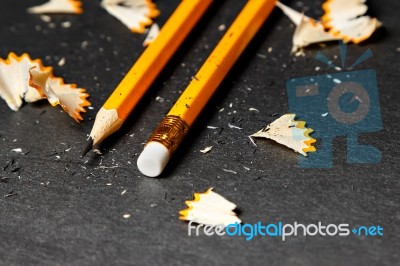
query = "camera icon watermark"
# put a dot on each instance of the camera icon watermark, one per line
(344, 103)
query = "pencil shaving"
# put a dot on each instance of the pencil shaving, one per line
(206, 149)
(293, 15)
(309, 31)
(210, 208)
(72, 99)
(58, 6)
(135, 14)
(14, 80)
(343, 20)
(286, 131)
(22, 78)
(151, 35)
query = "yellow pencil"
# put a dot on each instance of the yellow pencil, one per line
(139, 78)
(175, 125)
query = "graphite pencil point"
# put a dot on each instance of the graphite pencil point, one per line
(88, 147)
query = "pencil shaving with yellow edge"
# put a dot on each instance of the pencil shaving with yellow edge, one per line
(308, 32)
(22, 78)
(135, 14)
(286, 131)
(209, 208)
(58, 6)
(346, 19)
(343, 20)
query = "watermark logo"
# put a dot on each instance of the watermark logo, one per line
(283, 230)
(345, 103)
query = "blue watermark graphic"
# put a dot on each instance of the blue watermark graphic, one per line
(344, 103)
(284, 230)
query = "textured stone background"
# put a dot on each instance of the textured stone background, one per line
(65, 210)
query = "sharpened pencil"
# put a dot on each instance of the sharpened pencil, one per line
(143, 73)
(177, 122)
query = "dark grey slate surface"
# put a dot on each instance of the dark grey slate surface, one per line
(65, 213)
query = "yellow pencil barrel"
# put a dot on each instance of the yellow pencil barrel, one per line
(154, 58)
(143, 73)
(176, 124)
(213, 71)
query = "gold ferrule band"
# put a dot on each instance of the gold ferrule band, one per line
(170, 132)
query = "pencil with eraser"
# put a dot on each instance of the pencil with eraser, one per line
(180, 118)
(142, 74)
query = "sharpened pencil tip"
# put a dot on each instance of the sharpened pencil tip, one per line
(88, 146)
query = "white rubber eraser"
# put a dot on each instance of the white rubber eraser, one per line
(153, 159)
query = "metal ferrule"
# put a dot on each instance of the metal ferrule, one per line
(170, 132)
